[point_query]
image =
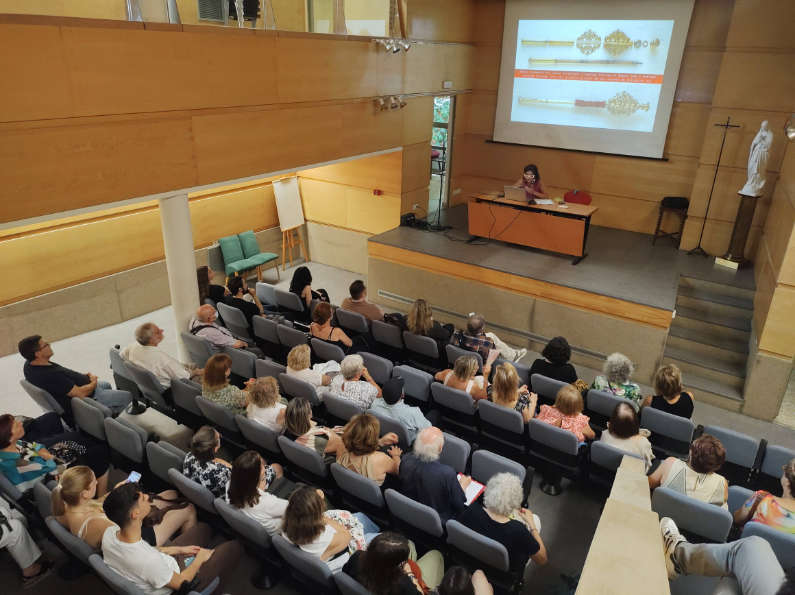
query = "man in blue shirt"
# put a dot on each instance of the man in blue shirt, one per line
(392, 405)
(424, 479)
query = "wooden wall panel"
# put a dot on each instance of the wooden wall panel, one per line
(419, 197)
(698, 75)
(424, 68)
(488, 22)
(416, 166)
(94, 9)
(686, 129)
(418, 120)
(778, 236)
(779, 332)
(754, 80)
(709, 24)
(349, 207)
(762, 24)
(486, 68)
(441, 20)
(380, 171)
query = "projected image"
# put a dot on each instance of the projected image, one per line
(590, 73)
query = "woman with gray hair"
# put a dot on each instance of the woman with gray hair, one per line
(349, 384)
(503, 519)
(618, 369)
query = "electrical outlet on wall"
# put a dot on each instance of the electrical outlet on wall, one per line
(416, 206)
(447, 84)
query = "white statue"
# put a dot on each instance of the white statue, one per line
(757, 161)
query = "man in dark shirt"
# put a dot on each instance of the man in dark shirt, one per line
(424, 479)
(65, 384)
(237, 298)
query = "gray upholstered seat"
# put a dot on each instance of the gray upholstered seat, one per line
(89, 416)
(387, 334)
(326, 351)
(42, 496)
(265, 329)
(306, 462)
(295, 387)
(266, 293)
(243, 362)
(414, 514)
(390, 424)
(126, 438)
(219, 415)
(184, 393)
(163, 456)
(235, 321)
(121, 586)
(558, 449)
(743, 454)
(268, 367)
(501, 428)
(121, 375)
(693, 516)
(485, 464)
(454, 352)
(379, 367)
(348, 585)
(45, 400)
(352, 321)
(199, 348)
(71, 543)
(738, 495)
(424, 346)
(522, 370)
(774, 459)
(196, 493)
(339, 408)
(304, 566)
(457, 408)
(290, 337)
(783, 544)
(149, 385)
(600, 405)
(546, 388)
(608, 457)
(455, 452)
(489, 552)
(358, 486)
(9, 490)
(671, 435)
(288, 300)
(416, 383)
(259, 435)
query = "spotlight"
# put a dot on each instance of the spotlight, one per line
(394, 103)
(379, 103)
(395, 47)
(402, 102)
(405, 45)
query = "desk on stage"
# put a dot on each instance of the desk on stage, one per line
(546, 227)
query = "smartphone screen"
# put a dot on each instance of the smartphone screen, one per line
(134, 477)
(189, 560)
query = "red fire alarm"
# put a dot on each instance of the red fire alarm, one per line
(377, 192)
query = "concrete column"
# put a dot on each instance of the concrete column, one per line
(180, 263)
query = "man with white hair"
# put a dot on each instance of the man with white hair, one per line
(144, 352)
(424, 479)
(204, 325)
(348, 384)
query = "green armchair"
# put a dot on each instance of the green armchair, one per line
(241, 253)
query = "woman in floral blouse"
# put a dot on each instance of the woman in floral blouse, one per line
(618, 369)
(216, 387)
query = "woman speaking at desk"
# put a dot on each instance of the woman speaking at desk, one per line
(531, 183)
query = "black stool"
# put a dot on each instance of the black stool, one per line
(676, 204)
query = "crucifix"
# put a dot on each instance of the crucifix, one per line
(725, 125)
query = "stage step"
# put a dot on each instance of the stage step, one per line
(706, 366)
(695, 339)
(728, 303)
(707, 390)
(691, 316)
(720, 289)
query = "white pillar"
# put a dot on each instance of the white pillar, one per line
(180, 263)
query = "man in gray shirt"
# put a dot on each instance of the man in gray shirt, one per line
(393, 406)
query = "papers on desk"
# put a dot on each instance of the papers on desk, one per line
(473, 491)
(544, 201)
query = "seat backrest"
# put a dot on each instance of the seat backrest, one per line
(268, 367)
(352, 321)
(248, 241)
(259, 434)
(231, 250)
(303, 457)
(390, 424)
(243, 362)
(250, 529)
(163, 456)
(422, 345)
(387, 334)
(42, 398)
(184, 393)
(357, 485)
(42, 495)
(326, 351)
(455, 452)
(148, 383)
(9, 490)
(126, 438)
(117, 583)
(602, 402)
(775, 458)
(265, 329)
(553, 437)
(348, 585)
(608, 456)
(196, 493)
(234, 320)
(303, 563)
(694, 516)
(485, 464)
(266, 293)
(339, 407)
(288, 300)
(522, 370)
(477, 546)
(295, 387)
(666, 424)
(452, 398)
(199, 348)
(546, 388)
(454, 352)
(508, 420)
(71, 543)
(290, 337)
(117, 364)
(379, 367)
(218, 414)
(741, 449)
(416, 383)
(738, 496)
(783, 544)
(90, 419)
(413, 513)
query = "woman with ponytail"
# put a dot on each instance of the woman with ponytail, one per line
(75, 507)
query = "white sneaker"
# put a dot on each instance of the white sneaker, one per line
(520, 353)
(671, 538)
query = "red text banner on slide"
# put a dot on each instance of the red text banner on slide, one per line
(576, 75)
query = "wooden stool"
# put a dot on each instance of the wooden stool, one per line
(675, 204)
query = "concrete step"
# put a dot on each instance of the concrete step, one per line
(704, 366)
(717, 288)
(721, 342)
(716, 296)
(729, 359)
(707, 390)
(712, 319)
(710, 308)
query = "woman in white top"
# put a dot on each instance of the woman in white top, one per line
(265, 405)
(624, 432)
(299, 365)
(75, 507)
(246, 491)
(464, 376)
(697, 477)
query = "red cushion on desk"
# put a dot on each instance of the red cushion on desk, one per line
(577, 196)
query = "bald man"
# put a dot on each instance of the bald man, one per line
(204, 325)
(424, 479)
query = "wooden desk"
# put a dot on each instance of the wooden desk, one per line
(547, 227)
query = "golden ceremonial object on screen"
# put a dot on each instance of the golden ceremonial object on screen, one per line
(551, 61)
(616, 43)
(622, 104)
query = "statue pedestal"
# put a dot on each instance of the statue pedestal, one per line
(735, 256)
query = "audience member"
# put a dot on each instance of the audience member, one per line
(618, 369)
(243, 298)
(669, 396)
(360, 444)
(76, 507)
(389, 567)
(358, 302)
(144, 352)
(204, 325)
(505, 391)
(750, 560)
(331, 535)
(349, 385)
(420, 322)
(424, 479)
(301, 428)
(698, 477)
(203, 466)
(458, 581)
(15, 537)
(391, 404)
(217, 388)
(503, 519)
(301, 285)
(247, 492)
(159, 571)
(65, 384)
(624, 432)
(265, 405)
(26, 463)
(477, 339)
(567, 413)
(777, 512)
(204, 276)
(321, 328)
(555, 362)
(299, 364)
(464, 375)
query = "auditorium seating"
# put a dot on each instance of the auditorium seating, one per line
(223, 419)
(458, 410)
(325, 351)
(128, 440)
(696, 519)
(352, 322)
(599, 406)
(266, 293)
(260, 436)
(339, 410)
(266, 335)
(416, 385)
(235, 321)
(503, 430)
(671, 435)
(770, 471)
(89, 416)
(425, 349)
(379, 367)
(312, 573)
(360, 493)
(120, 585)
(743, 454)
(557, 451)
(475, 551)
(546, 388)
(243, 362)
(390, 424)
(184, 393)
(47, 402)
(348, 585)
(418, 522)
(163, 456)
(150, 387)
